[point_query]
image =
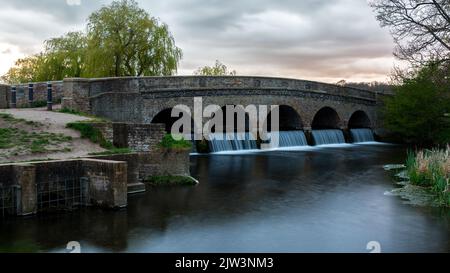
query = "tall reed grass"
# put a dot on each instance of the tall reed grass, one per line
(431, 169)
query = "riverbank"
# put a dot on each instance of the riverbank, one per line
(424, 179)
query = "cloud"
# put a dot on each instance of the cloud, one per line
(73, 2)
(313, 39)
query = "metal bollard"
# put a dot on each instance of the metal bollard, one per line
(49, 97)
(13, 103)
(30, 94)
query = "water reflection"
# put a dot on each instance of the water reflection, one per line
(323, 200)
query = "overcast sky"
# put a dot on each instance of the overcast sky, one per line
(324, 40)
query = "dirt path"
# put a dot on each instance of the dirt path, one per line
(53, 122)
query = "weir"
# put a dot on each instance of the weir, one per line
(289, 138)
(232, 142)
(329, 136)
(362, 135)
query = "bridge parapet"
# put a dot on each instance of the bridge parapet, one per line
(186, 83)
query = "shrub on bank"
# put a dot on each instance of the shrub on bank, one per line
(431, 169)
(90, 132)
(168, 142)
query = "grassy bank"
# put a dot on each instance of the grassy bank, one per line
(431, 169)
(19, 136)
(88, 131)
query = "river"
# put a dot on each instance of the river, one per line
(317, 200)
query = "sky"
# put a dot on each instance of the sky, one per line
(322, 40)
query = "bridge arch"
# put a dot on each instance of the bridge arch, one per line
(239, 112)
(326, 118)
(165, 117)
(359, 119)
(289, 119)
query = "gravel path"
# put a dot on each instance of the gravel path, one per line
(54, 122)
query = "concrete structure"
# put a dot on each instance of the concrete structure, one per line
(107, 179)
(307, 105)
(107, 185)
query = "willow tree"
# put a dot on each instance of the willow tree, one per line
(26, 69)
(124, 40)
(64, 56)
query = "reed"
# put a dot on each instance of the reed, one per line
(431, 169)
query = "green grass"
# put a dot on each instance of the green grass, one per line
(22, 140)
(169, 142)
(90, 132)
(169, 180)
(12, 120)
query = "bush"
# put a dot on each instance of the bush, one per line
(39, 103)
(418, 111)
(169, 142)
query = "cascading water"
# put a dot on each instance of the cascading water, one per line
(288, 139)
(362, 135)
(232, 142)
(332, 136)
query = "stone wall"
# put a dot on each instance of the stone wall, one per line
(106, 128)
(107, 180)
(4, 96)
(153, 163)
(22, 93)
(138, 137)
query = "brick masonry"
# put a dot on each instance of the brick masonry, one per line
(153, 163)
(139, 100)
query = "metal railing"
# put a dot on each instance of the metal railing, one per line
(62, 194)
(9, 200)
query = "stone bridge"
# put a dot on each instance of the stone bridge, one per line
(303, 104)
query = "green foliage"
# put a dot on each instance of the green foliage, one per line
(431, 169)
(90, 132)
(219, 69)
(121, 40)
(170, 180)
(13, 138)
(65, 56)
(37, 104)
(418, 111)
(169, 142)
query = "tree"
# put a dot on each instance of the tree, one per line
(418, 111)
(65, 56)
(123, 40)
(421, 28)
(218, 69)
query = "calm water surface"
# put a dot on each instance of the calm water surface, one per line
(323, 200)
